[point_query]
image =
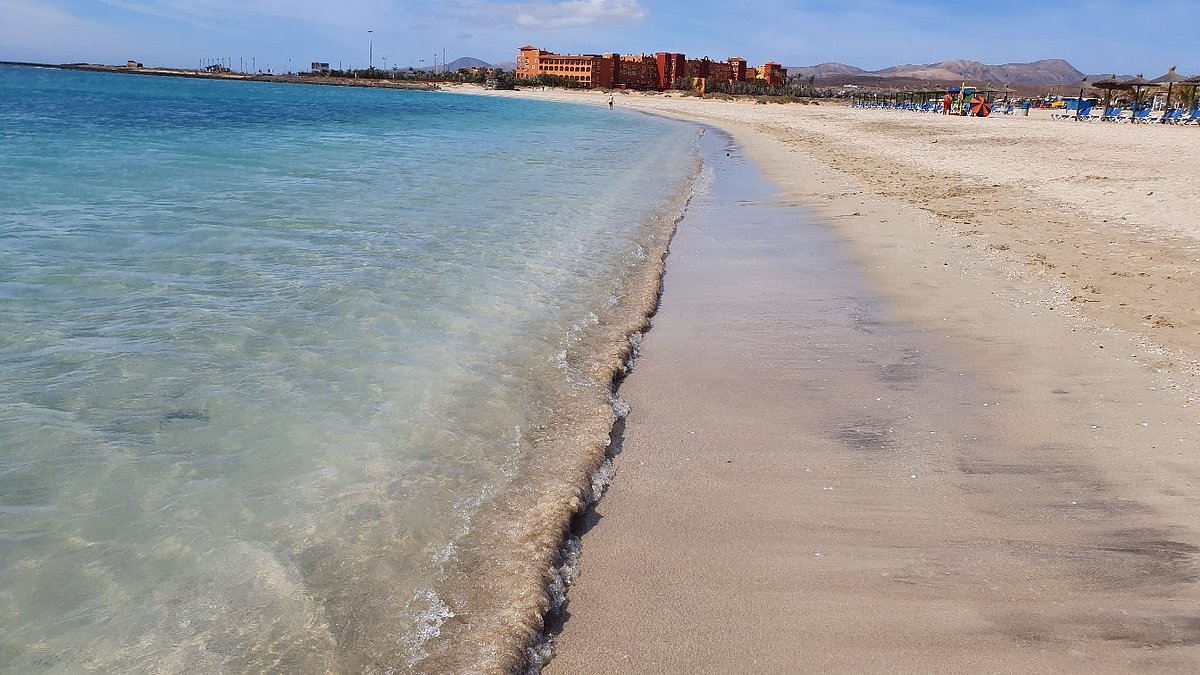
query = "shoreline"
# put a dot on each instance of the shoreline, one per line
(952, 375)
(521, 572)
(1076, 404)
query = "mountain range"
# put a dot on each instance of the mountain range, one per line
(472, 62)
(1046, 71)
(466, 62)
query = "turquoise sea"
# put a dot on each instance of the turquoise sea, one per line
(305, 379)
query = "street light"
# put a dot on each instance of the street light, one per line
(370, 50)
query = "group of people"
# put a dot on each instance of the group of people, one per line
(978, 105)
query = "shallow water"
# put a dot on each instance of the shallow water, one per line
(271, 356)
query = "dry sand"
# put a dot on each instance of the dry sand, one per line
(960, 435)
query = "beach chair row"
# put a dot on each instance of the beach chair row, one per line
(1140, 116)
(880, 105)
(914, 107)
(1087, 114)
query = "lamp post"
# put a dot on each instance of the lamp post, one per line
(370, 50)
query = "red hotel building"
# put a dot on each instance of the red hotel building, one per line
(661, 71)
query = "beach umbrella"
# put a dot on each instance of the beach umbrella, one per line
(1137, 83)
(979, 106)
(1108, 83)
(1170, 79)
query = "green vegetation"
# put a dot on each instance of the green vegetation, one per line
(505, 80)
(549, 81)
(412, 75)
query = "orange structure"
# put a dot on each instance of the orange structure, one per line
(639, 71)
(772, 73)
(589, 70)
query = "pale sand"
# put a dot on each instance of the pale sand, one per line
(1032, 367)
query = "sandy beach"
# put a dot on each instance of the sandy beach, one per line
(926, 404)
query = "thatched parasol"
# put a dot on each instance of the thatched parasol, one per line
(1137, 83)
(1170, 79)
(1080, 85)
(1108, 83)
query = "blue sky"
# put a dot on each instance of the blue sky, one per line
(1094, 35)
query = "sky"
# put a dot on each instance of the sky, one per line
(1096, 36)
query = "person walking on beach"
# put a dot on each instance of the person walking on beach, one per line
(610, 101)
(946, 101)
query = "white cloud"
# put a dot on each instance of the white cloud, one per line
(28, 24)
(187, 13)
(564, 14)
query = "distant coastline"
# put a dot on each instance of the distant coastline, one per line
(257, 77)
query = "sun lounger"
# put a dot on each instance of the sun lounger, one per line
(1073, 115)
(1136, 117)
(1112, 114)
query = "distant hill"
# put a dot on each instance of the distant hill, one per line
(1044, 72)
(472, 62)
(467, 62)
(824, 70)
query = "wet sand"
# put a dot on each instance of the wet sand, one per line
(860, 441)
